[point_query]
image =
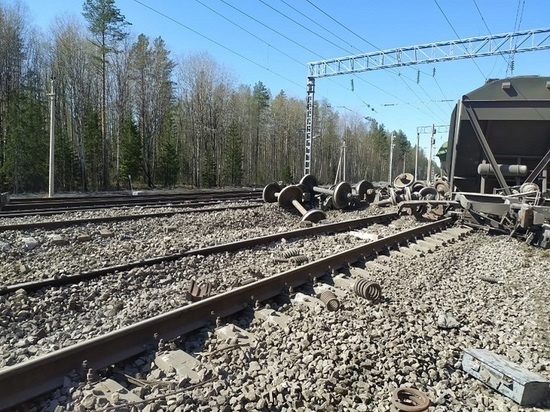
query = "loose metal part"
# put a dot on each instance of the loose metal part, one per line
(442, 187)
(418, 185)
(394, 196)
(403, 180)
(291, 196)
(410, 400)
(197, 291)
(428, 193)
(286, 254)
(298, 260)
(330, 300)
(365, 191)
(294, 260)
(512, 380)
(341, 195)
(368, 290)
(270, 191)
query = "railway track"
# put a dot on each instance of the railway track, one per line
(57, 224)
(20, 207)
(24, 381)
(60, 280)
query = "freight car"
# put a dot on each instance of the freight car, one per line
(497, 157)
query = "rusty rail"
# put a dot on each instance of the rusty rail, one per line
(24, 381)
(73, 222)
(226, 247)
(11, 211)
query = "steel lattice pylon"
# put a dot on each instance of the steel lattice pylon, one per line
(507, 43)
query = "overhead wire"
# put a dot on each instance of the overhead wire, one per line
(317, 24)
(491, 34)
(282, 35)
(517, 24)
(220, 44)
(302, 26)
(250, 33)
(271, 28)
(215, 42)
(458, 37)
(376, 47)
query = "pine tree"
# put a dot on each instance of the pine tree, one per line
(93, 148)
(287, 174)
(107, 25)
(67, 166)
(131, 162)
(208, 173)
(168, 160)
(233, 173)
(26, 165)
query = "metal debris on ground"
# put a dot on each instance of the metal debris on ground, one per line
(197, 291)
(409, 400)
(368, 290)
(508, 378)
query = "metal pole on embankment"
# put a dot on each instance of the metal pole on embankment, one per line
(51, 95)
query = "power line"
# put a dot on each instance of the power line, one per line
(342, 25)
(419, 99)
(302, 26)
(370, 44)
(317, 24)
(272, 29)
(216, 42)
(249, 32)
(284, 36)
(487, 27)
(517, 24)
(457, 36)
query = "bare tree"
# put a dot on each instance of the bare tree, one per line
(107, 25)
(204, 94)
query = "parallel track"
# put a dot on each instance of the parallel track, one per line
(33, 206)
(197, 208)
(226, 247)
(24, 381)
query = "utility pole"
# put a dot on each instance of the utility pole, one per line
(391, 158)
(51, 95)
(482, 46)
(416, 156)
(344, 166)
(310, 105)
(340, 165)
(429, 174)
(432, 130)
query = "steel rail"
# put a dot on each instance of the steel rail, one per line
(127, 196)
(10, 208)
(29, 379)
(73, 222)
(225, 247)
(189, 204)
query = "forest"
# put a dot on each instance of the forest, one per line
(125, 108)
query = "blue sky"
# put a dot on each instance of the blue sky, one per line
(284, 35)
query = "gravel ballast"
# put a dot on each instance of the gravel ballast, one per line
(351, 359)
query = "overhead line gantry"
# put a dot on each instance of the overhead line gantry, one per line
(483, 46)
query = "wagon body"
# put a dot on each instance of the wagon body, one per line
(499, 137)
